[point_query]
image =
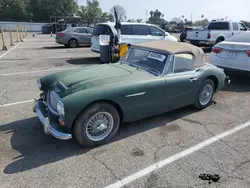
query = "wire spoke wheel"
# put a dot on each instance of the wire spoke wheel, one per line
(99, 126)
(206, 94)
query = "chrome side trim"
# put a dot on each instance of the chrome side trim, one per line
(135, 94)
(48, 129)
(63, 85)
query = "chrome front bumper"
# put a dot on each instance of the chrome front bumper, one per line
(227, 80)
(48, 128)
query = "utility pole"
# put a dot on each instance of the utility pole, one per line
(146, 16)
(192, 17)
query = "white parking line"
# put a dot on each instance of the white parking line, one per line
(10, 50)
(30, 72)
(160, 164)
(16, 103)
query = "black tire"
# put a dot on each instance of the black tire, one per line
(73, 43)
(220, 39)
(198, 104)
(80, 125)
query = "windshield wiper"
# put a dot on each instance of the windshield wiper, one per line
(151, 70)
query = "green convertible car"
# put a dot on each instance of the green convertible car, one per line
(89, 103)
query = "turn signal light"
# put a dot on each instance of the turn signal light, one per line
(248, 52)
(216, 50)
(61, 122)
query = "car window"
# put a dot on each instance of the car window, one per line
(235, 26)
(141, 30)
(242, 27)
(146, 59)
(218, 26)
(183, 63)
(102, 30)
(82, 30)
(156, 31)
(77, 30)
(127, 30)
(90, 30)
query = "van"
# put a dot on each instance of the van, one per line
(131, 33)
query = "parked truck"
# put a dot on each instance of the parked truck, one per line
(216, 31)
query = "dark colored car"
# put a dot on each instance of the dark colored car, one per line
(184, 33)
(152, 78)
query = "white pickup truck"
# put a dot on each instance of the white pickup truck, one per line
(215, 32)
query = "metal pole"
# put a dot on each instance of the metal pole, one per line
(3, 41)
(191, 18)
(20, 34)
(17, 37)
(11, 40)
(25, 32)
(146, 16)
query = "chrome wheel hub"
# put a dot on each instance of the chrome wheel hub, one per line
(99, 126)
(206, 94)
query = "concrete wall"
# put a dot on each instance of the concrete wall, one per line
(31, 27)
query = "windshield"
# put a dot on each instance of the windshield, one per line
(148, 60)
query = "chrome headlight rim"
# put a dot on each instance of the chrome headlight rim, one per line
(39, 83)
(60, 108)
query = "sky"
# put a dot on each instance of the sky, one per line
(212, 9)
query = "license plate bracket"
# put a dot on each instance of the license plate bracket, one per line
(232, 54)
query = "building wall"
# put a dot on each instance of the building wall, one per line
(30, 27)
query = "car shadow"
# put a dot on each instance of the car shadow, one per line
(80, 61)
(239, 82)
(63, 47)
(36, 149)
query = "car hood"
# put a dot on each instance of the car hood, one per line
(99, 75)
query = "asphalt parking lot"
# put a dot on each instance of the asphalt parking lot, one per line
(28, 158)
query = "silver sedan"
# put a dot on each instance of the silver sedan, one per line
(75, 36)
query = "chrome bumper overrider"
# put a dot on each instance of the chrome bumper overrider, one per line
(48, 129)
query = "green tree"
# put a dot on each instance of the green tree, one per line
(201, 23)
(91, 12)
(14, 10)
(121, 12)
(36, 10)
(156, 17)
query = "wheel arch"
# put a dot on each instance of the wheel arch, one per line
(215, 80)
(73, 39)
(220, 37)
(113, 103)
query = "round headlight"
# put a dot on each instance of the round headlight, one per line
(60, 108)
(39, 83)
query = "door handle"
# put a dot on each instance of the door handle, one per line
(192, 79)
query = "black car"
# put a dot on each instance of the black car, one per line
(183, 34)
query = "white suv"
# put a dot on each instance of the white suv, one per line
(131, 33)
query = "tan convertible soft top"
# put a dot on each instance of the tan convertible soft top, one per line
(175, 48)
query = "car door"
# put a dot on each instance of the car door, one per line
(181, 83)
(236, 29)
(156, 33)
(85, 38)
(140, 34)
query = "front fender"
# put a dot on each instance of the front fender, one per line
(75, 103)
